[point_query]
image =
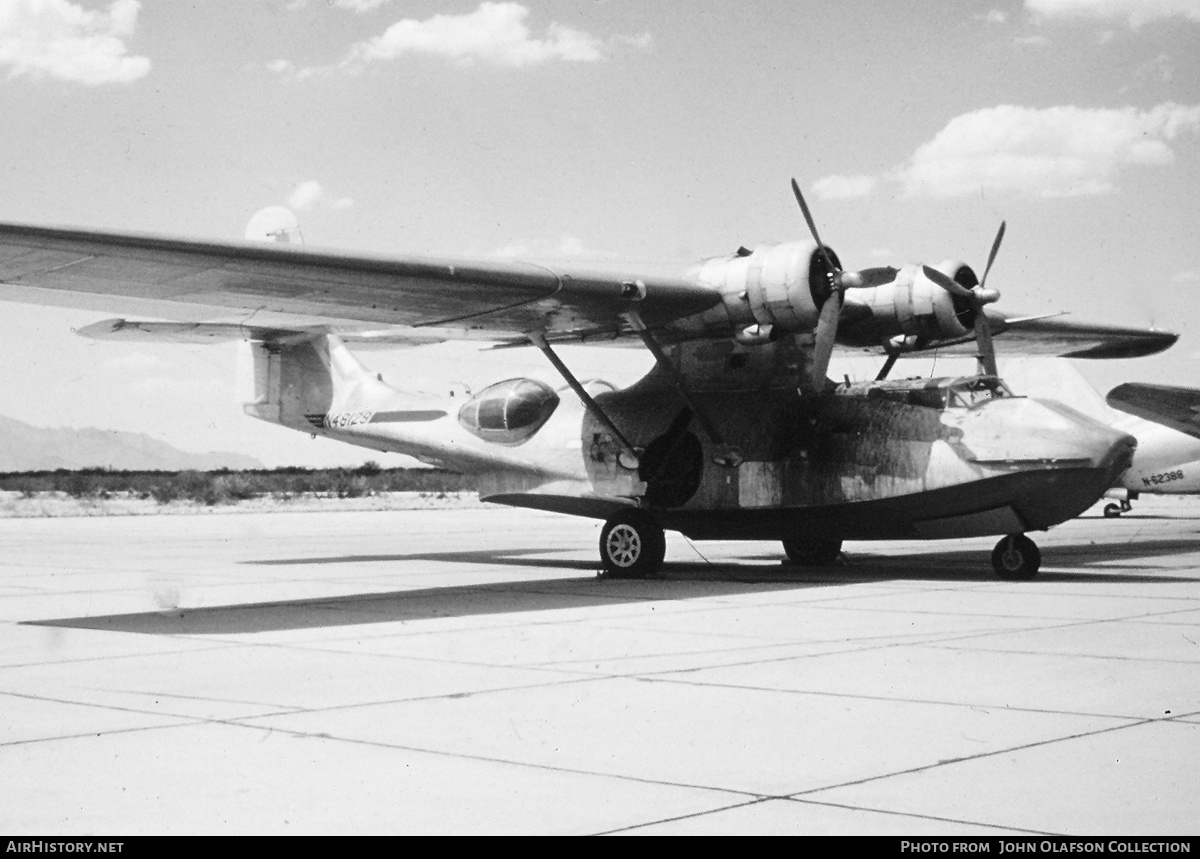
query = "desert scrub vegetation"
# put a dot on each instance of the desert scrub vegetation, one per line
(224, 486)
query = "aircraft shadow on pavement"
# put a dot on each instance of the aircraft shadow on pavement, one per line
(506, 557)
(529, 595)
(1108, 562)
(679, 580)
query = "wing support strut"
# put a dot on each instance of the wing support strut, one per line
(887, 365)
(538, 339)
(725, 454)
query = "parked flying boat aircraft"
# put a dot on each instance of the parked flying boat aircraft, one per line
(734, 434)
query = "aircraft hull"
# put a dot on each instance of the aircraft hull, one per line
(1012, 503)
(840, 467)
(917, 459)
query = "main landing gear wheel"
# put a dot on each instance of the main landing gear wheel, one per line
(1016, 557)
(632, 546)
(812, 553)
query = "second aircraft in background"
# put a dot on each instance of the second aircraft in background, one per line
(1165, 421)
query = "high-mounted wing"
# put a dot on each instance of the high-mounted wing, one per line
(1177, 408)
(1059, 335)
(283, 286)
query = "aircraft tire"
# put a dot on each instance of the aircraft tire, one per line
(1112, 511)
(632, 545)
(812, 553)
(1016, 557)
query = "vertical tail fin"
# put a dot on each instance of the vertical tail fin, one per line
(313, 382)
(1056, 379)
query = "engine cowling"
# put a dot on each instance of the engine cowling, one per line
(779, 288)
(911, 312)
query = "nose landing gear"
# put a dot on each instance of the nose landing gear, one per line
(1112, 511)
(1016, 557)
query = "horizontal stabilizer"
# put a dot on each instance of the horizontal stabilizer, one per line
(220, 332)
(178, 332)
(1177, 408)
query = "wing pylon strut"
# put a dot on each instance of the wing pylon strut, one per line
(538, 339)
(725, 454)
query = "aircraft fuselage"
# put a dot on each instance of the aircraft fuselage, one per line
(941, 458)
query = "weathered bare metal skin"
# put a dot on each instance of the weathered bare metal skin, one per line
(816, 455)
(925, 458)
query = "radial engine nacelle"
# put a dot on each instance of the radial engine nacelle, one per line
(774, 288)
(778, 289)
(911, 311)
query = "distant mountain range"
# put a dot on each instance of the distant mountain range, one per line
(24, 447)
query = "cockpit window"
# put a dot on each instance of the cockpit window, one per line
(969, 393)
(940, 394)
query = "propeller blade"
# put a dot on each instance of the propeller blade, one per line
(992, 255)
(978, 298)
(812, 226)
(983, 337)
(826, 335)
(877, 276)
(948, 283)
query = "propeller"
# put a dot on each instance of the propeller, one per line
(977, 297)
(839, 281)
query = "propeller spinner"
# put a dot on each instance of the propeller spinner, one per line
(977, 297)
(831, 309)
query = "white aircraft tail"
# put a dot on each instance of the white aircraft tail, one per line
(1056, 379)
(314, 383)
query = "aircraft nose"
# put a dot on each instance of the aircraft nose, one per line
(1059, 461)
(1108, 450)
(1119, 456)
(1084, 458)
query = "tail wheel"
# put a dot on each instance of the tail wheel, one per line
(1112, 511)
(1016, 557)
(632, 546)
(812, 553)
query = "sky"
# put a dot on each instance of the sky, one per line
(597, 131)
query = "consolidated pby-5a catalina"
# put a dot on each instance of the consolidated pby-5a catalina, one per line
(735, 433)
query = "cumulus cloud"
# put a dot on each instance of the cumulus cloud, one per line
(309, 193)
(494, 34)
(360, 5)
(1051, 152)
(1048, 152)
(1135, 12)
(843, 187)
(63, 40)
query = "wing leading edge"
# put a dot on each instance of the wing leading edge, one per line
(1058, 335)
(284, 286)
